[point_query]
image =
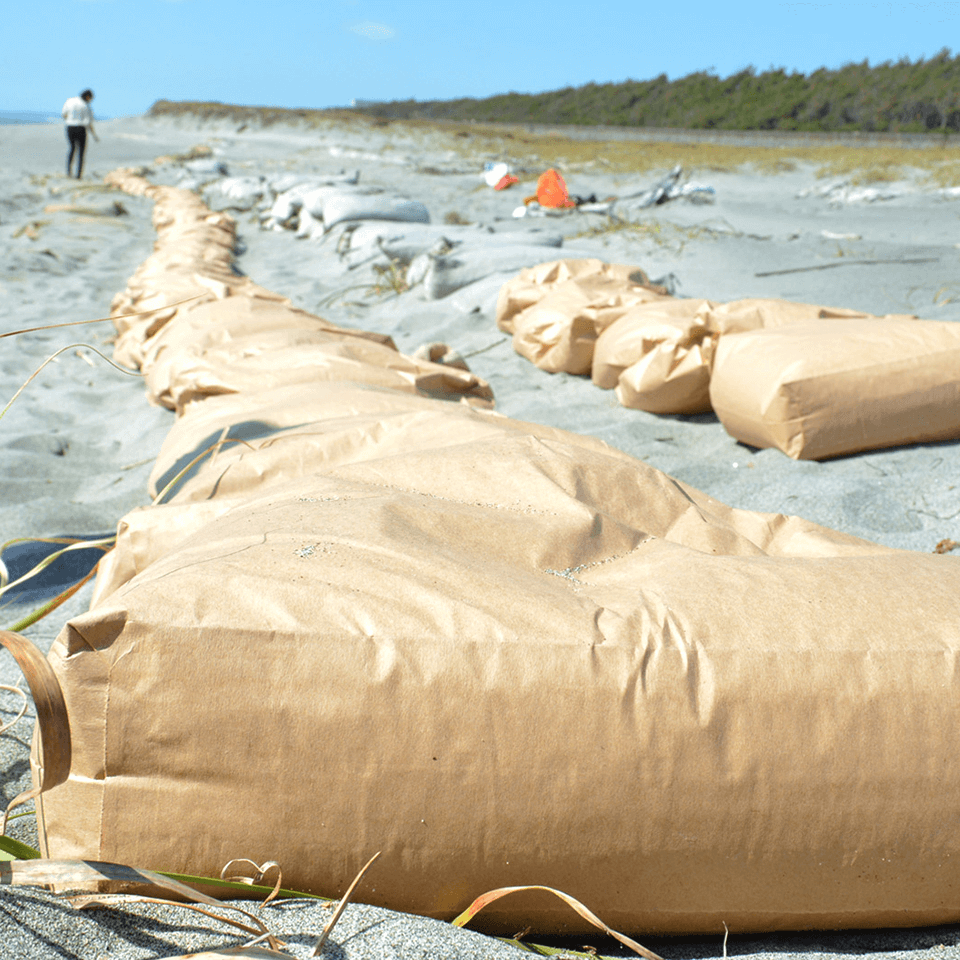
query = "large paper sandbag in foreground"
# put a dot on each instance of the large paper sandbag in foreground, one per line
(246, 468)
(818, 390)
(528, 661)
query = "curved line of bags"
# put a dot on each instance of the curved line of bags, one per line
(502, 654)
(813, 381)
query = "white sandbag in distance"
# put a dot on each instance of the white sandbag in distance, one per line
(206, 167)
(407, 242)
(817, 390)
(236, 193)
(315, 199)
(291, 189)
(309, 227)
(344, 206)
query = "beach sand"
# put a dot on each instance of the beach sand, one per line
(80, 441)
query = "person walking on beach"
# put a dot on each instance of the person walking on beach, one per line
(79, 118)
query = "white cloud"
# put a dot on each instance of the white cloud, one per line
(373, 31)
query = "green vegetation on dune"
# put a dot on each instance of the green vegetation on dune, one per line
(529, 151)
(897, 97)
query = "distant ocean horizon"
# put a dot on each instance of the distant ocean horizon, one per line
(27, 116)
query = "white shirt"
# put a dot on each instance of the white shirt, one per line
(77, 112)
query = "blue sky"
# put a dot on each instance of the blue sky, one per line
(318, 53)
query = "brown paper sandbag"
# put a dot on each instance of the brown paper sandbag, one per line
(259, 323)
(529, 661)
(559, 333)
(629, 338)
(673, 376)
(738, 316)
(148, 533)
(534, 283)
(251, 415)
(246, 469)
(246, 365)
(277, 447)
(817, 390)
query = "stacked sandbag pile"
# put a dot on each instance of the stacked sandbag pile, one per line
(557, 310)
(775, 372)
(363, 619)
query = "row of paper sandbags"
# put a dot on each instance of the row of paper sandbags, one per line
(501, 654)
(231, 334)
(813, 381)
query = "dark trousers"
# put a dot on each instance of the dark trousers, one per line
(77, 138)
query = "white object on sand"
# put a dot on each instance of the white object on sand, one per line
(341, 207)
(493, 173)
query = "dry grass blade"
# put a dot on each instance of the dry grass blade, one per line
(40, 612)
(97, 900)
(52, 720)
(105, 544)
(240, 889)
(73, 544)
(251, 953)
(846, 263)
(259, 872)
(328, 929)
(52, 357)
(161, 497)
(77, 323)
(23, 706)
(487, 898)
(81, 873)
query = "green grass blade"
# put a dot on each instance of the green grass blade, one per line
(244, 888)
(11, 849)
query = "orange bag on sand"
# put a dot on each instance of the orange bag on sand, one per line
(552, 191)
